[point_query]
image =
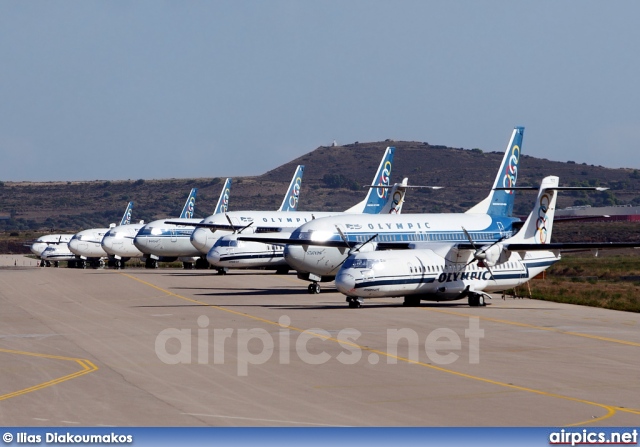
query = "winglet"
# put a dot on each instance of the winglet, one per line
(126, 217)
(223, 201)
(291, 198)
(190, 205)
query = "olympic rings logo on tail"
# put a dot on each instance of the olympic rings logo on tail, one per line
(295, 193)
(541, 222)
(384, 180)
(190, 207)
(511, 170)
(225, 201)
(397, 196)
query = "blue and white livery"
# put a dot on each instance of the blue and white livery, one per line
(317, 249)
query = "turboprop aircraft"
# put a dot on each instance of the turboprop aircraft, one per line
(171, 238)
(214, 227)
(87, 243)
(445, 271)
(317, 248)
(56, 253)
(217, 226)
(229, 252)
(41, 243)
(118, 241)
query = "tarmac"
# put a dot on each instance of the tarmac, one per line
(170, 347)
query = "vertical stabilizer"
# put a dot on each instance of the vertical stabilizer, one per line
(377, 197)
(223, 201)
(537, 227)
(396, 198)
(291, 198)
(190, 205)
(500, 203)
(126, 217)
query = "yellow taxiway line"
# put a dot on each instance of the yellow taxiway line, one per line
(87, 367)
(610, 409)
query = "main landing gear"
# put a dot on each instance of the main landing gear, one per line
(314, 288)
(354, 303)
(476, 299)
(411, 301)
(151, 264)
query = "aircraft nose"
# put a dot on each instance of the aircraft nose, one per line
(199, 238)
(295, 255)
(213, 257)
(345, 283)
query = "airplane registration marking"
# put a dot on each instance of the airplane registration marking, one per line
(87, 367)
(610, 409)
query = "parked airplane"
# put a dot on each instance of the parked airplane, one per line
(41, 243)
(160, 242)
(119, 241)
(156, 243)
(203, 238)
(56, 253)
(229, 252)
(445, 271)
(317, 248)
(215, 227)
(87, 244)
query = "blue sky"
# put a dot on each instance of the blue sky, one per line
(162, 89)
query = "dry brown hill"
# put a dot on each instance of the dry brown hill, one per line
(466, 175)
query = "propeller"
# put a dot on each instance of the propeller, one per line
(351, 250)
(480, 254)
(233, 227)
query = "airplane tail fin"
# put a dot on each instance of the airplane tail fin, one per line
(396, 198)
(537, 228)
(500, 203)
(126, 217)
(223, 201)
(190, 205)
(377, 197)
(291, 198)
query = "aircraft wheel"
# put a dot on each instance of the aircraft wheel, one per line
(47, 264)
(474, 300)
(222, 271)
(411, 301)
(55, 264)
(354, 303)
(481, 301)
(187, 265)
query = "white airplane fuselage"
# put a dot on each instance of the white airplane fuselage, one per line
(203, 239)
(164, 240)
(45, 241)
(430, 275)
(88, 243)
(59, 252)
(229, 252)
(118, 241)
(324, 261)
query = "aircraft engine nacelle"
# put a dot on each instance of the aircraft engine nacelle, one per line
(371, 246)
(495, 255)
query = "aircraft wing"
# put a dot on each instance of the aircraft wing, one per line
(227, 227)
